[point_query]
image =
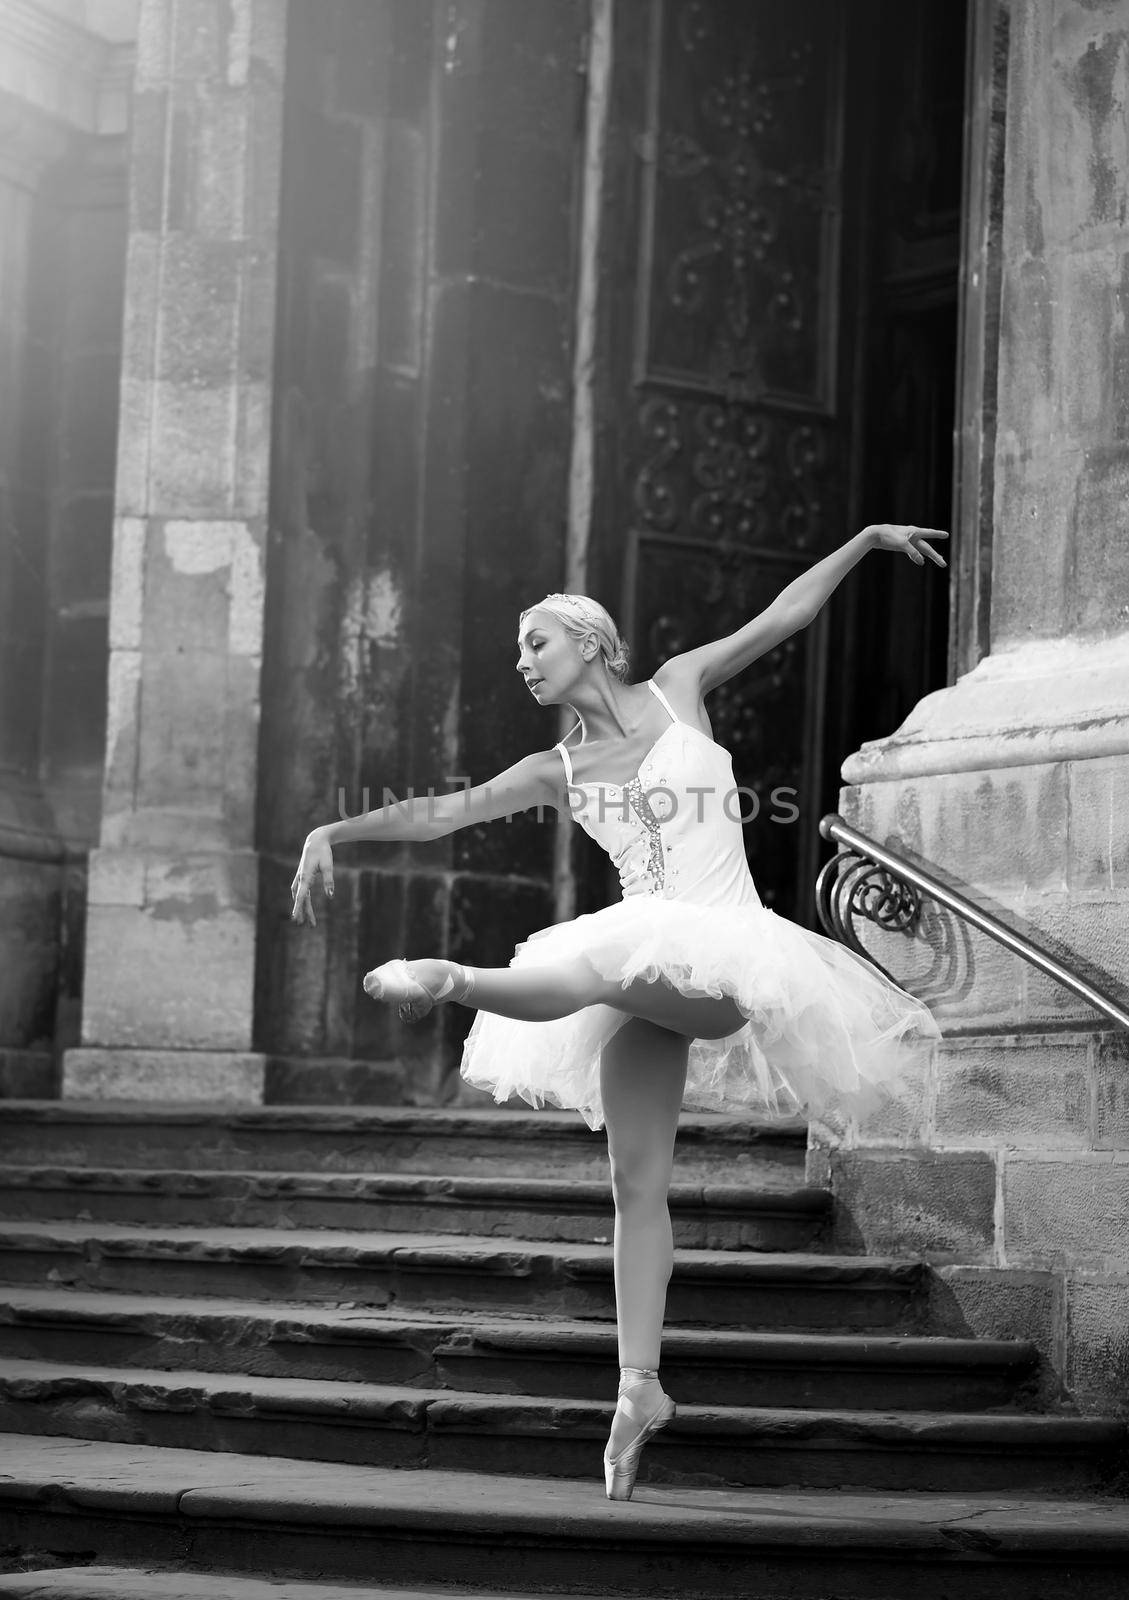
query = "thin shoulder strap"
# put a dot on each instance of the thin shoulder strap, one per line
(565, 757)
(663, 701)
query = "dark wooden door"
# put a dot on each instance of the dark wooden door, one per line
(725, 447)
(742, 420)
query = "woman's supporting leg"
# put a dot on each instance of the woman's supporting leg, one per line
(539, 994)
(642, 1077)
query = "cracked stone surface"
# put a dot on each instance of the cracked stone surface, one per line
(84, 1473)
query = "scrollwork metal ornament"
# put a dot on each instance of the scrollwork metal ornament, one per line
(850, 887)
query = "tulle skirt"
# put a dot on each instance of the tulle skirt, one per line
(825, 1031)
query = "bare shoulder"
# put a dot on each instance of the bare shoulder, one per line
(679, 680)
(543, 773)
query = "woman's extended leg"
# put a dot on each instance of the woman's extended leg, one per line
(539, 994)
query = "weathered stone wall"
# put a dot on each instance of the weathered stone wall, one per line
(1009, 1166)
(62, 237)
(167, 1007)
(421, 441)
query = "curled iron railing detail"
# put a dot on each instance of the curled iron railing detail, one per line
(851, 886)
(866, 881)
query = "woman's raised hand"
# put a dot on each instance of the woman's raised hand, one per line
(912, 541)
(316, 857)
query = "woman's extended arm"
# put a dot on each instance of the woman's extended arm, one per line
(799, 603)
(533, 781)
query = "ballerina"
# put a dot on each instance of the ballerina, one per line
(688, 990)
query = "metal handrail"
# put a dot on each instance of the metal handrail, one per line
(833, 827)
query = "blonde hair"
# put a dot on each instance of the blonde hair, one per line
(581, 616)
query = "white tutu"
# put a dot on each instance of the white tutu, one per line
(825, 1030)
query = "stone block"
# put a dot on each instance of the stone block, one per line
(180, 979)
(252, 450)
(997, 830)
(938, 1204)
(266, 29)
(1111, 1130)
(1098, 842)
(188, 887)
(141, 313)
(887, 812)
(149, 112)
(1002, 1303)
(159, 1075)
(258, 275)
(1014, 1090)
(198, 31)
(1090, 343)
(1097, 1373)
(223, 170)
(135, 418)
(1067, 1212)
(966, 978)
(1100, 568)
(116, 878)
(198, 326)
(127, 583)
(261, 193)
(192, 451)
(186, 589)
(903, 1120)
(1087, 935)
(1085, 194)
(123, 699)
(181, 742)
(154, 46)
(1035, 489)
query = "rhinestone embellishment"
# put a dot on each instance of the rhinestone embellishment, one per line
(642, 808)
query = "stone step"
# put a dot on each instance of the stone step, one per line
(719, 1288)
(397, 1426)
(710, 1216)
(271, 1516)
(170, 1583)
(173, 1583)
(379, 1139)
(577, 1360)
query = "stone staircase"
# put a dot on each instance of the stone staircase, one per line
(283, 1351)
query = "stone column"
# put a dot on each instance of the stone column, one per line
(168, 992)
(1012, 1157)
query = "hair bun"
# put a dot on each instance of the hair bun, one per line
(618, 663)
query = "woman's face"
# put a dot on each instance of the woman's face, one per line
(549, 658)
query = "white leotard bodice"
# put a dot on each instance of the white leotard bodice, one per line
(674, 829)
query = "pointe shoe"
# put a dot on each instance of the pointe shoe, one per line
(395, 983)
(620, 1470)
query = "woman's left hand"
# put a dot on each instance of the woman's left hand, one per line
(911, 541)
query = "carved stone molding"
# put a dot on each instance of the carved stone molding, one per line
(62, 70)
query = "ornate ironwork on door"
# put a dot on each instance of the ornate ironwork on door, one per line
(730, 475)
